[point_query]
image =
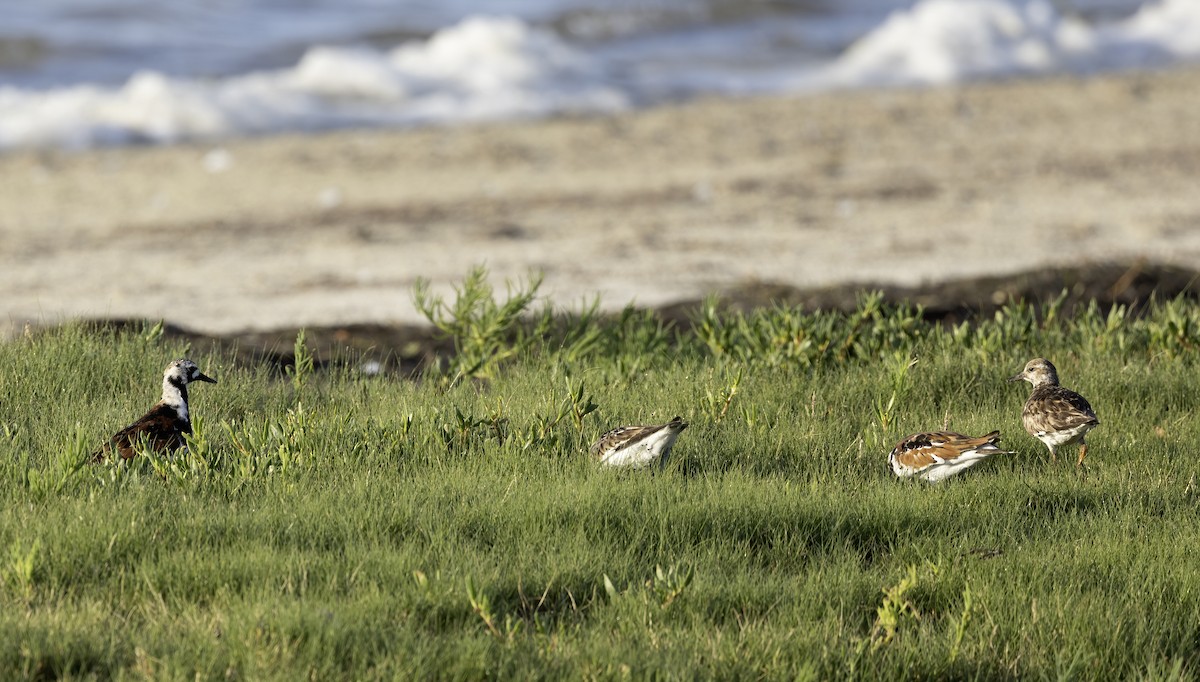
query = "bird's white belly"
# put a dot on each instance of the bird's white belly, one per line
(938, 472)
(1056, 438)
(650, 450)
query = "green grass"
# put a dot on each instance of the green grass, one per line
(331, 525)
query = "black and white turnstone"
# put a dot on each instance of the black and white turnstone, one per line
(938, 455)
(1055, 415)
(164, 426)
(638, 446)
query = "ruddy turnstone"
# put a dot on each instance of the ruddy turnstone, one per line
(941, 454)
(1054, 415)
(638, 446)
(164, 426)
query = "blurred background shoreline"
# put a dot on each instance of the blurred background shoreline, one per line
(645, 155)
(85, 73)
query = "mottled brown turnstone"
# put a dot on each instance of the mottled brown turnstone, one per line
(939, 455)
(638, 446)
(164, 426)
(1055, 415)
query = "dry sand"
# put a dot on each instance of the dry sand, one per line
(898, 187)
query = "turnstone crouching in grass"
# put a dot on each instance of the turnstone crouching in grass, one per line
(1055, 415)
(164, 426)
(638, 446)
(941, 454)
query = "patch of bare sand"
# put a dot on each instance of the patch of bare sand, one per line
(894, 187)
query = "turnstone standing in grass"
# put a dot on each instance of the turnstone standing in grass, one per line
(938, 455)
(1054, 415)
(164, 426)
(638, 446)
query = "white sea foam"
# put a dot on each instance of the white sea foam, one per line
(481, 68)
(943, 41)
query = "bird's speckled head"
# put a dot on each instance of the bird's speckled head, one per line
(677, 424)
(185, 371)
(1039, 372)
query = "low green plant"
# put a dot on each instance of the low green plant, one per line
(481, 605)
(543, 432)
(960, 626)
(62, 470)
(485, 331)
(896, 610)
(19, 572)
(718, 403)
(781, 335)
(899, 384)
(301, 369)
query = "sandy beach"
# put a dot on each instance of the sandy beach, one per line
(654, 206)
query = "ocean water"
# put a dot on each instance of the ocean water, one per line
(82, 73)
